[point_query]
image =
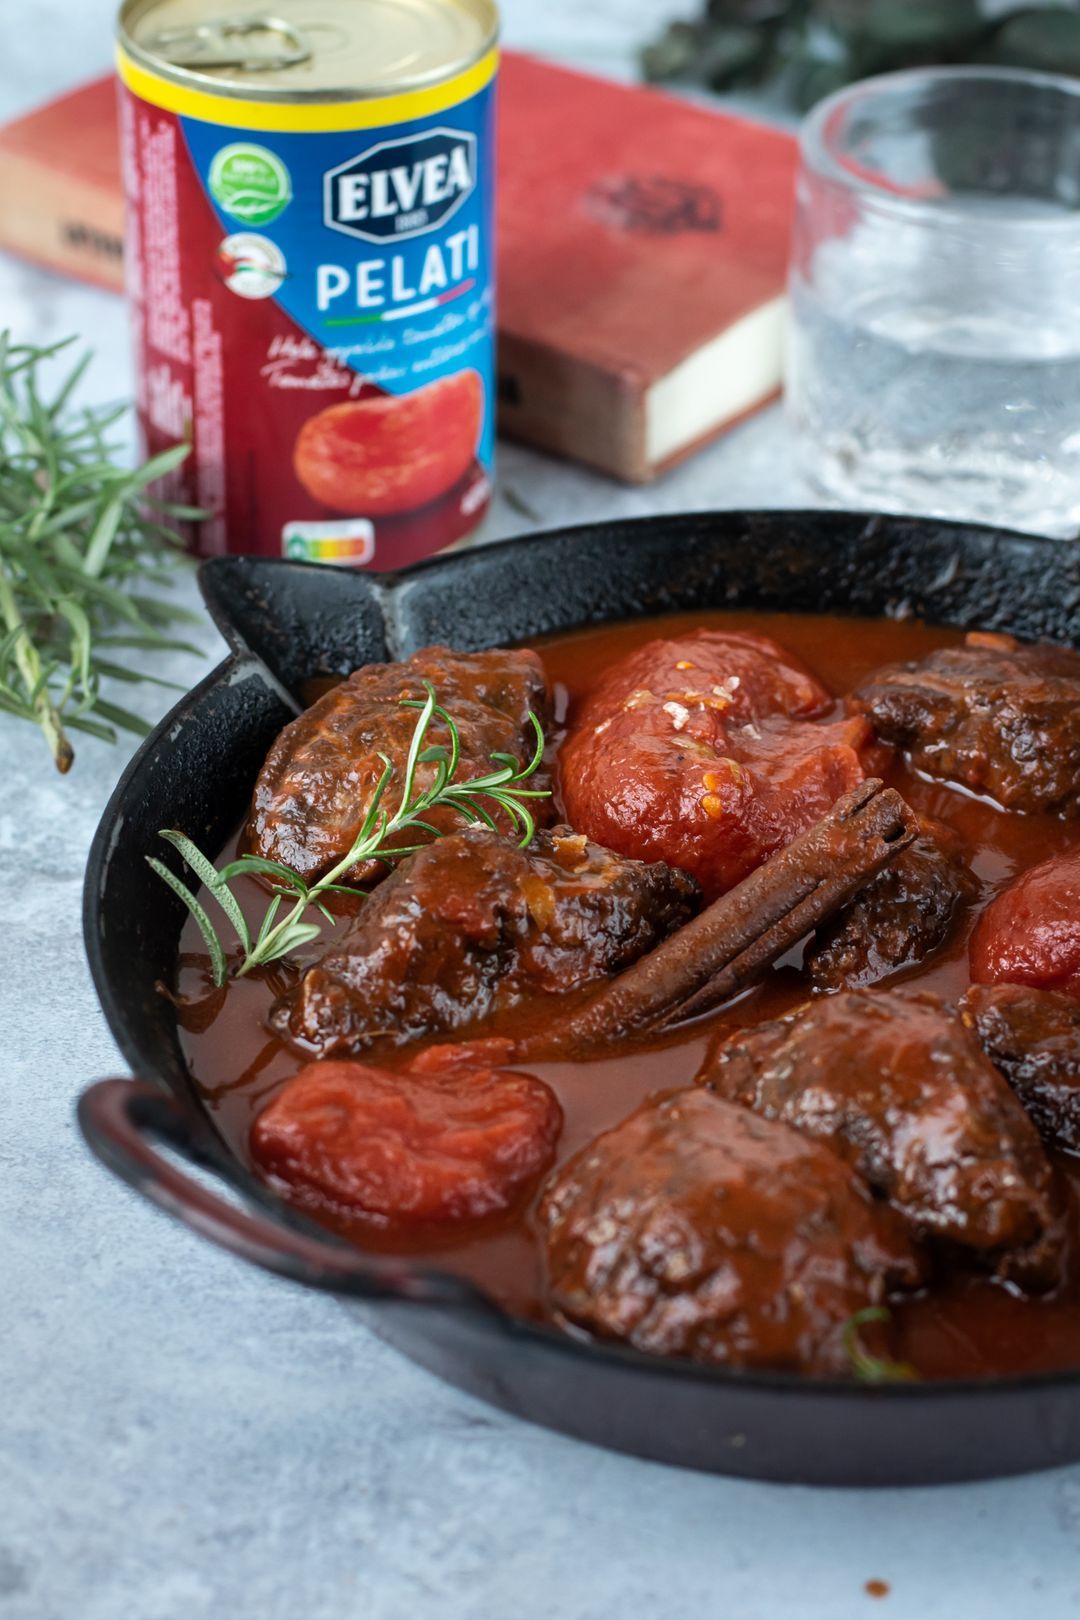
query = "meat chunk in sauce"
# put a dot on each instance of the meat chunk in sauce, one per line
(996, 717)
(1033, 1038)
(450, 1139)
(1030, 933)
(316, 784)
(697, 1229)
(472, 925)
(708, 752)
(899, 919)
(898, 1085)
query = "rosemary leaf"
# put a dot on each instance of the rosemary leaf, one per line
(290, 938)
(123, 718)
(131, 677)
(92, 728)
(205, 926)
(216, 882)
(871, 1369)
(257, 865)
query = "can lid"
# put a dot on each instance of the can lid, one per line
(308, 49)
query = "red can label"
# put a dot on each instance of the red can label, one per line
(313, 311)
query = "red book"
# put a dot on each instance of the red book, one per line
(643, 245)
(60, 197)
(642, 250)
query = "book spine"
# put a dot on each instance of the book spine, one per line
(64, 224)
(558, 402)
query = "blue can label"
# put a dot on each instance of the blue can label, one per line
(318, 303)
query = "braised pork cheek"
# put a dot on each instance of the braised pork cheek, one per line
(708, 752)
(696, 1228)
(897, 1084)
(1033, 1038)
(473, 924)
(315, 787)
(900, 917)
(995, 716)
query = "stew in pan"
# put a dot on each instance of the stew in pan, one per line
(740, 1021)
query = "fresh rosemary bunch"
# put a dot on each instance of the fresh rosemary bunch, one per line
(279, 934)
(78, 549)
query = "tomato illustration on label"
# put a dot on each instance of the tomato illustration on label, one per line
(392, 453)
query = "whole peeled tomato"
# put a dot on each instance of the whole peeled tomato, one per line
(452, 1137)
(708, 752)
(391, 453)
(1031, 933)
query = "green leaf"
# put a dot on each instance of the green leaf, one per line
(268, 921)
(538, 751)
(102, 536)
(214, 880)
(261, 866)
(11, 705)
(293, 937)
(472, 807)
(870, 1369)
(131, 677)
(124, 718)
(150, 641)
(416, 744)
(205, 926)
(414, 824)
(159, 465)
(93, 728)
(81, 636)
(374, 812)
(74, 378)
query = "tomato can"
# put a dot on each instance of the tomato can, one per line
(309, 194)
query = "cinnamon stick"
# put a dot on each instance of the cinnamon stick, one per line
(734, 940)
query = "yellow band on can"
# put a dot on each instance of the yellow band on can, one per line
(303, 116)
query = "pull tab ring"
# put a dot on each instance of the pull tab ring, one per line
(224, 42)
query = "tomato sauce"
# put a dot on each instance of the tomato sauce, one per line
(961, 1326)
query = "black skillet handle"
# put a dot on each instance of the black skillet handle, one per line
(123, 1121)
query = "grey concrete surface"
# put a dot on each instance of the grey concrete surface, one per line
(184, 1439)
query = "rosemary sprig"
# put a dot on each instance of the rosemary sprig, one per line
(279, 934)
(79, 545)
(870, 1369)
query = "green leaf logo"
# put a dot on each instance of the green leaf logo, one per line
(250, 183)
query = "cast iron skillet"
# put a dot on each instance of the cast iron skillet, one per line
(287, 621)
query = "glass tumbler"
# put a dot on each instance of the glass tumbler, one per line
(934, 355)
